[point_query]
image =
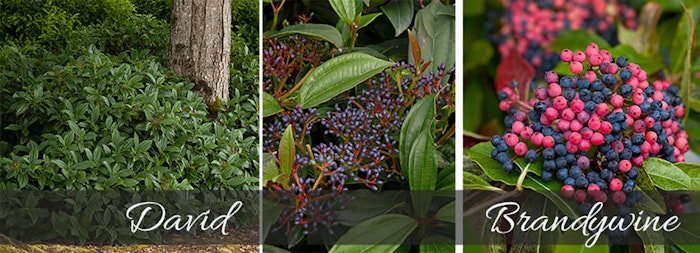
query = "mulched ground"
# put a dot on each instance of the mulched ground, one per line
(248, 234)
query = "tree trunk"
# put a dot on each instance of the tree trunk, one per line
(200, 45)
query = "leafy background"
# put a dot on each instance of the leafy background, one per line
(87, 103)
(669, 45)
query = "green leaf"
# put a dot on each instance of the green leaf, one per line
(383, 233)
(287, 151)
(653, 240)
(367, 204)
(650, 65)
(346, 10)
(400, 14)
(422, 171)
(651, 199)
(365, 20)
(564, 244)
(421, 116)
(271, 213)
(666, 176)
(577, 40)
(693, 171)
(474, 8)
(270, 105)
(473, 114)
(687, 235)
(435, 30)
(338, 75)
(317, 31)
(479, 53)
(481, 154)
(474, 182)
(446, 213)
(437, 243)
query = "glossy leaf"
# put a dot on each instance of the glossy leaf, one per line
(438, 244)
(421, 172)
(271, 213)
(338, 75)
(577, 40)
(651, 199)
(270, 105)
(649, 64)
(383, 233)
(693, 171)
(318, 31)
(399, 13)
(365, 20)
(346, 9)
(434, 28)
(474, 182)
(666, 176)
(367, 204)
(287, 150)
(421, 116)
(446, 213)
(481, 154)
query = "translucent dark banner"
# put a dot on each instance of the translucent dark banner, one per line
(528, 218)
(130, 217)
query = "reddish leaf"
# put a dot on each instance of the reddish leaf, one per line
(515, 68)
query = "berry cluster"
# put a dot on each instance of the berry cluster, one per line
(348, 143)
(594, 129)
(529, 26)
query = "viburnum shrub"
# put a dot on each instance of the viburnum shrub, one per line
(344, 124)
(528, 27)
(593, 130)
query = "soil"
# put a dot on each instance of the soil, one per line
(248, 234)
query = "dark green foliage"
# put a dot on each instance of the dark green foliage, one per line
(158, 8)
(96, 122)
(244, 22)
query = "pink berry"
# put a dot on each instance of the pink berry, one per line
(551, 77)
(597, 139)
(605, 127)
(651, 137)
(584, 146)
(619, 197)
(548, 141)
(606, 57)
(583, 116)
(504, 105)
(575, 138)
(551, 113)
(566, 55)
(602, 109)
(526, 133)
(554, 90)
(520, 149)
(586, 133)
(537, 138)
(591, 76)
(577, 105)
(634, 111)
(615, 184)
(593, 188)
(624, 166)
(600, 196)
(563, 125)
(567, 191)
(511, 139)
(576, 67)
(518, 127)
(617, 101)
(594, 123)
(592, 49)
(580, 57)
(596, 60)
(559, 103)
(575, 125)
(567, 114)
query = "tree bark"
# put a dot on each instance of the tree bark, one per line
(200, 45)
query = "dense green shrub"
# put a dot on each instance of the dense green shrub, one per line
(47, 22)
(94, 122)
(158, 8)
